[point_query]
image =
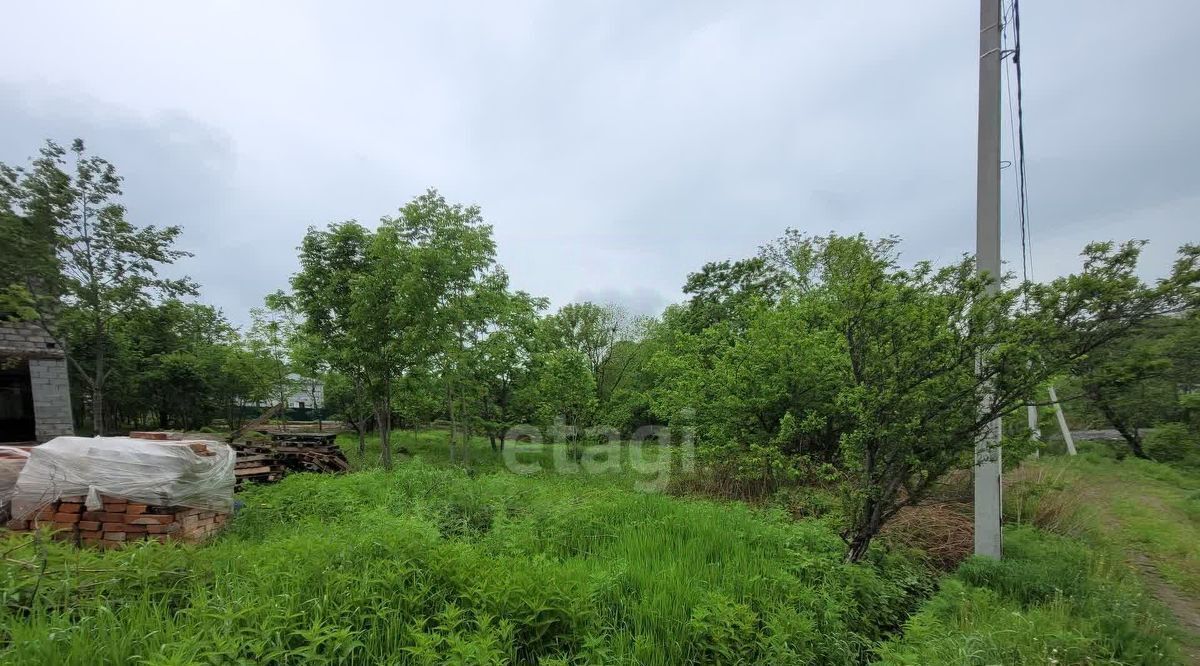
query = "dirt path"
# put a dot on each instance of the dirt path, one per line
(1105, 495)
(1185, 610)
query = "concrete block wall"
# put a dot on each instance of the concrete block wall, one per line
(47, 376)
(51, 398)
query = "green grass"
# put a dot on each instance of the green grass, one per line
(432, 565)
(1078, 596)
(1052, 600)
(644, 466)
(1147, 507)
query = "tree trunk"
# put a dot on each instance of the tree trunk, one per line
(453, 418)
(1131, 435)
(871, 523)
(858, 546)
(97, 410)
(283, 412)
(383, 420)
(98, 396)
(492, 441)
(361, 427)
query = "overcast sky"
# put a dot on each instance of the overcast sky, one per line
(614, 145)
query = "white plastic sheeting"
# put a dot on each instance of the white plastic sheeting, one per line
(12, 461)
(161, 473)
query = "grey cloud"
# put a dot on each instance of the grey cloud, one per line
(617, 146)
(639, 302)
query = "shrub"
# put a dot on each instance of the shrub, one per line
(1173, 443)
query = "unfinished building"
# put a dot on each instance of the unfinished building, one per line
(35, 396)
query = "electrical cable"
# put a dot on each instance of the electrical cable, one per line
(1026, 231)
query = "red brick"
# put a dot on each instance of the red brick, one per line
(90, 534)
(135, 508)
(133, 529)
(150, 434)
(163, 529)
(149, 519)
(89, 524)
(114, 536)
(15, 524)
(115, 507)
(69, 507)
(68, 518)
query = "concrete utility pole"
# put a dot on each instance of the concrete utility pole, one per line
(1035, 431)
(1062, 423)
(987, 261)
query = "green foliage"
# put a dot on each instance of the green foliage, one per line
(79, 267)
(1174, 443)
(429, 565)
(406, 300)
(563, 389)
(1051, 600)
(871, 373)
(1140, 381)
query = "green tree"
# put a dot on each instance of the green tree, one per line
(563, 393)
(83, 266)
(1138, 382)
(333, 263)
(387, 305)
(874, 374)
(592, 330)
(723, 292)
(499, 364)
(272, 330)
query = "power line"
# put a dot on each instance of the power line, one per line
(1026, 234)
(1012, 135)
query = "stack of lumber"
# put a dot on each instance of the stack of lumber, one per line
(266, 462)
(256, 464)
(119, 521)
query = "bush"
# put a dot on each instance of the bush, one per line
(1173, 443)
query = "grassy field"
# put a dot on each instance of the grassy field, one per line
(432, 564)
(1100, 567)
(616, 461)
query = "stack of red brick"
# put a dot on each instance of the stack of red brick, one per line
(119, 522)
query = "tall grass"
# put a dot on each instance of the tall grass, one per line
(431, 565)
(1052, 600)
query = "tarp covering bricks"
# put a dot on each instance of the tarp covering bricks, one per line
(184, 474)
